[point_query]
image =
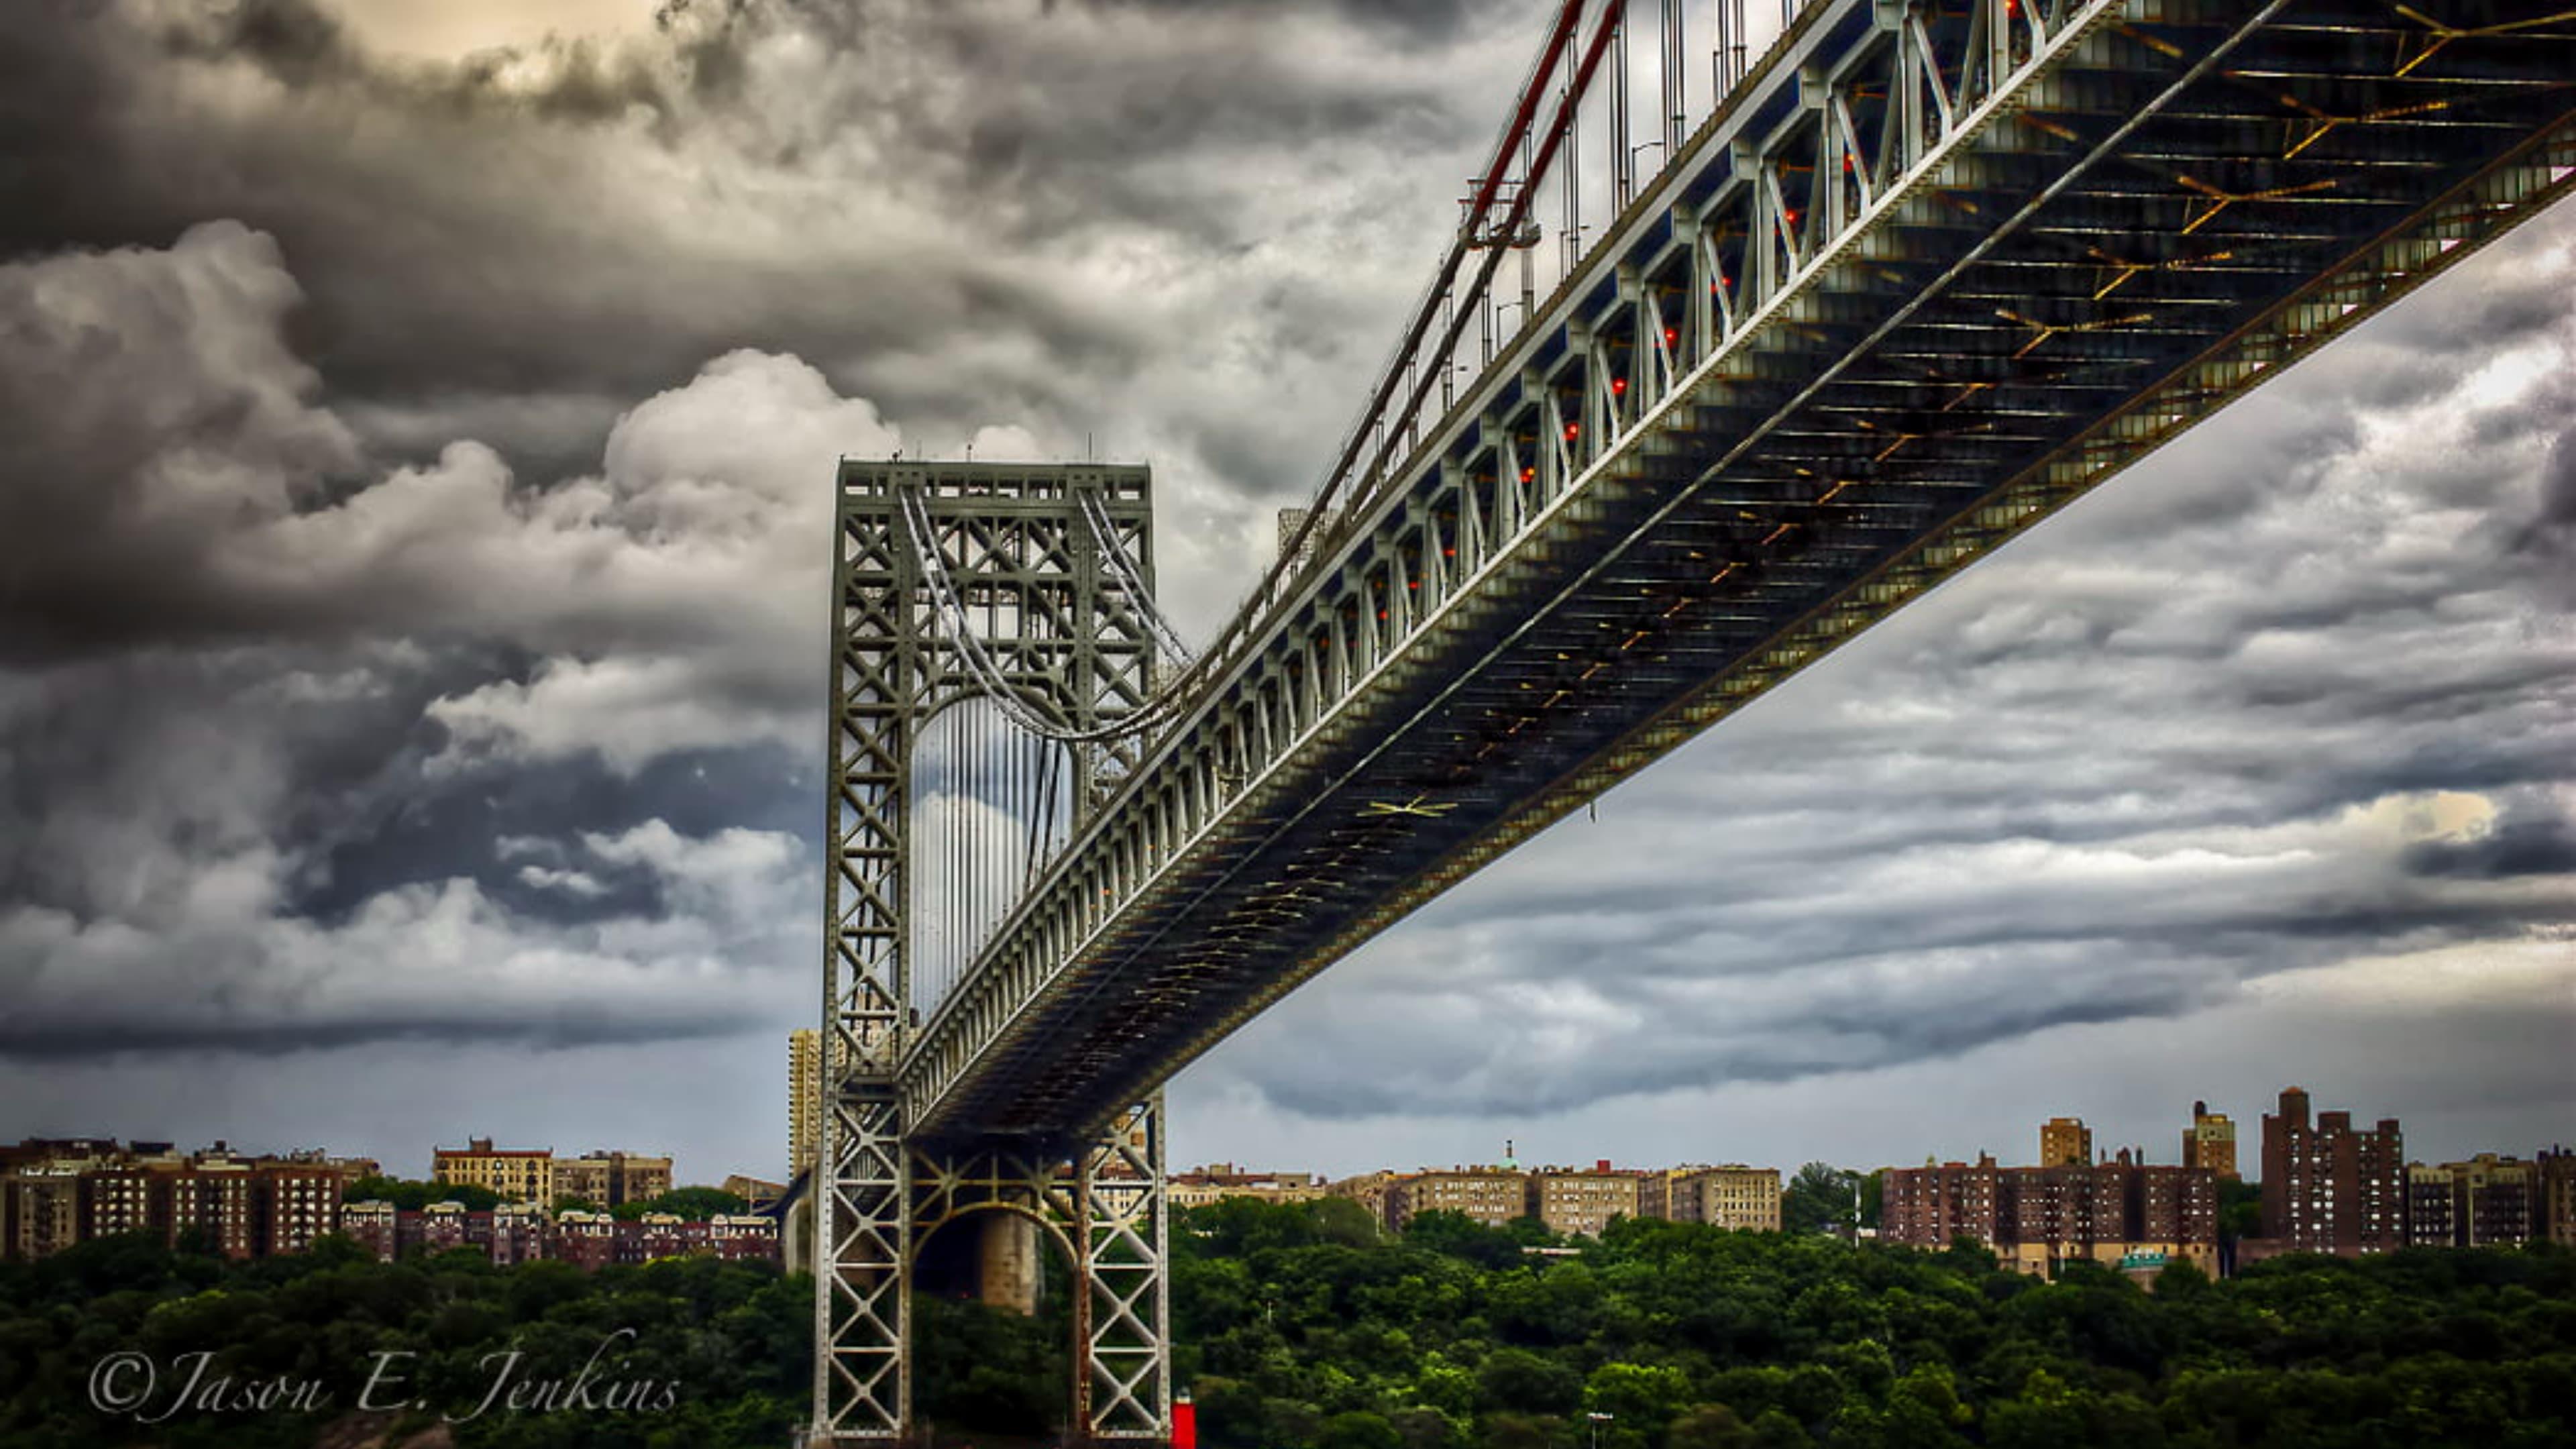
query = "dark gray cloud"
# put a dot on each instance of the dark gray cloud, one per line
(2551, 533)
(963, 212)
(413, 551)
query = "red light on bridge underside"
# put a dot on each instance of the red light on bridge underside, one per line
(1794, 214)
(1671, 336)
(1571, 429)
(1618, 385)
(1528, 473)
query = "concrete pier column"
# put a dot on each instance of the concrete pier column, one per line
(1007, 1263)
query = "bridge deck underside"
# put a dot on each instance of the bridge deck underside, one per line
(2066, 271)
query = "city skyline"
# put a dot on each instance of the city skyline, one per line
(1509, 1151)
(458, 804)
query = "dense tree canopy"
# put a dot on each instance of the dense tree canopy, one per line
(1302, 1327)
(1695, 1338)
(693, 1203)
(1819, 1197)
(413, 1196)
(730, 1341)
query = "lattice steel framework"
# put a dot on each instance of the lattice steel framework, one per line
(955, 581)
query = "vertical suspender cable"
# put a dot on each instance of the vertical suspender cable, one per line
(1623, 161)
(1573, 121)
(1676, 100)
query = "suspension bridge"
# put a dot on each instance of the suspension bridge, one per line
(1904, 277)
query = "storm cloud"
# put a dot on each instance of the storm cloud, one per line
(414, 495)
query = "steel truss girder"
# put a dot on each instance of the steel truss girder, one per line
(1024, 550)
(1727, 343)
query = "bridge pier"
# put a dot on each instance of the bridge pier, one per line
(1006, 1264)
(1105, 1210)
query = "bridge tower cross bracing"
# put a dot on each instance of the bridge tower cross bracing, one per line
(1025, 587)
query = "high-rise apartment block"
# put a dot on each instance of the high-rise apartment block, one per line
(2557, 1210)
(1928, 1206)
(804, 1099)
(2329, 1187)
(2496, 1198)
(2065, 1141)
(2431, 1219)
(2485, 1202)
(2210, 1141)
(39, 1210)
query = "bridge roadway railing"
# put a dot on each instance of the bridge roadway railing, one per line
(1868, 128)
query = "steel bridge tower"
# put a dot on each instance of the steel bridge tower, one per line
(1027, 589)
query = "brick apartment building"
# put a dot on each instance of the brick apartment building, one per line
(54, 1194)
(2557, 1211)
(1928, 1206)
(2120, 1213)
(2329, 1187)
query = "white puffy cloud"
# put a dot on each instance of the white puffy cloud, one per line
(440, 960)
(320, 663)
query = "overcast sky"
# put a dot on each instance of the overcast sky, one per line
(416, 434)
